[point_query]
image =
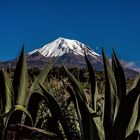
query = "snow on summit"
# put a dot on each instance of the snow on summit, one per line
(61, 46)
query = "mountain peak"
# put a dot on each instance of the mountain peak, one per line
(62, 45)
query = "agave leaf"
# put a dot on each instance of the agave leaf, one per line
(93, 83)
(20, 80)
(6, 91)
(96, 129)
(6, 98)
(137, 126)
(133, 125)
(15, 118)
(82, 112)
(110, 99)
(128, 114)
(53, 105)
(90, 126)
(33, 104)
(136, 83)
(83, 108)
(41, 77)
(76, 85)
(4, 115)
(1, 127)
(76, 105)
(95, 124)
(20, 108)
(56, 111)
(119, 76)
(135, 135)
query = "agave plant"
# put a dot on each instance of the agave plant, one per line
(13, 95)
(90, 123)
(121, 114)
(16, 96)
(20, 99)
(121, 109)
(88, 118)
(20, 95)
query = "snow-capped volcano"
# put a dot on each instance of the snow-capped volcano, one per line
(70, 52)
(61, 46)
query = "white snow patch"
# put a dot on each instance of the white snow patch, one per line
(33, 51)
(61, 46)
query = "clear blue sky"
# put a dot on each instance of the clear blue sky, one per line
(97, 23)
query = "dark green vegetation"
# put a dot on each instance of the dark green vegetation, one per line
(53, 104)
